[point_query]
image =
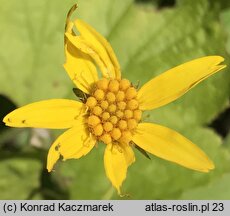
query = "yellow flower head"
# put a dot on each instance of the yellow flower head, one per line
(111, 108)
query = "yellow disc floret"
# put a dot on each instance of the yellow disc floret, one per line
(98, 130)
(97, 110)
(120, 96)
(124, 84)
(132, 104)
(103, 84)
(116, 133)
(126, 136)
(119, 114)
(113, 119)
(104, 104)
(105, 116)
(93, 120)
(106, 138)
(108, 126)
(113, 85)
(128, 114)
(91, 102)
(130, 93)
(99, 94)
(122, 124)
(113, 111)
(110, 96)
(112, 108)
(121, 105)
(137, 114)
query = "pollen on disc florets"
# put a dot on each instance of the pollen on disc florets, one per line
(113, 110)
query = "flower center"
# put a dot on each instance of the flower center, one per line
(113, 111)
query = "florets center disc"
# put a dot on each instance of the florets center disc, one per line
(113, 110)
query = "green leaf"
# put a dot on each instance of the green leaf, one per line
(227, 142)
(163, 40)
(18, 178)
(225, 17)
(31, 55)
(32, 51)
(147, 42)
(86, 176)
(216, 190)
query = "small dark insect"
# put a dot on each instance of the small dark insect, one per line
(82, 96)
(142, 151)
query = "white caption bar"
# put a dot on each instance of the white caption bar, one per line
(115, 207)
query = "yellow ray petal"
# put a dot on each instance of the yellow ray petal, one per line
(79, 65)
(129, 154)
(170, 145)
(83, 45)
(101, 46)
(175, 82)
(54, 114)
(115, 163)
(74, 143)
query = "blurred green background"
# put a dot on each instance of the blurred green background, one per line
(149, 37)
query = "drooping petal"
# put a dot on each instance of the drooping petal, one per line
(54, 114)
(101, 46)
(175, 82)
(79, 65)
(85, 47)
(116, 165)
(74, 143)
(170, 145)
